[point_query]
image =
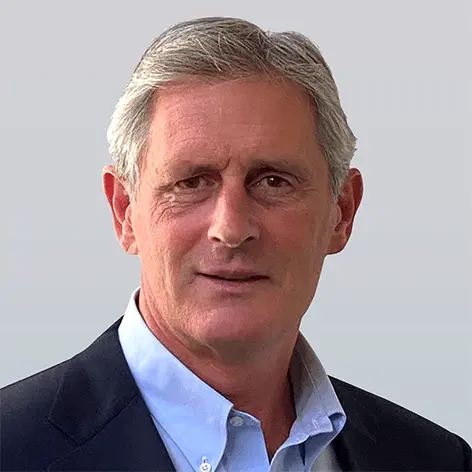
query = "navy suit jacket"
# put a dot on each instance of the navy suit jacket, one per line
(86, 414)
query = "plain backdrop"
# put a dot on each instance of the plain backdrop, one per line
(393, 310)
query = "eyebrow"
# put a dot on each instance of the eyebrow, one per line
(285, 165)
(281, 164)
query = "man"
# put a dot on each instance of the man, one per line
(232, 184)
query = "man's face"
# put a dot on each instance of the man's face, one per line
(234, 213)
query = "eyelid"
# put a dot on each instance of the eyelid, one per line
(280, 175)
(204, 177)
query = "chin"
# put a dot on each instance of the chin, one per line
(234, 325)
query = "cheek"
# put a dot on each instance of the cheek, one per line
(303, 237)
(170, 236)
(303, 229)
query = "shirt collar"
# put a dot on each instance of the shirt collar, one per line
(179, 400)
(176, 397)
(317, 405)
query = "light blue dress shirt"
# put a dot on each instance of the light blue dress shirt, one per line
(204, 433)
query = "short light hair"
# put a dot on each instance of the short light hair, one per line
(218, 49)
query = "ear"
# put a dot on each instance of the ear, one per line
(119, 200)
(346, 208)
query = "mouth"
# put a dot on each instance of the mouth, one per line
(233, 283)
(235, 278)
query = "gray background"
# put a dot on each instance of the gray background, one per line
(393, 311)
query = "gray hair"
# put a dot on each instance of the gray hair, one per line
(218, 48)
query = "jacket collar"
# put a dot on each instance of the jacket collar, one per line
(99, 407)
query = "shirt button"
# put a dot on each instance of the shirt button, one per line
(236, 421)
(205, 466)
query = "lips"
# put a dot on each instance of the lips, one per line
(232, 283)
(234, 275)
(236, 278)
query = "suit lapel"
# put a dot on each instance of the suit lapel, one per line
(99, 407)
(356, 446)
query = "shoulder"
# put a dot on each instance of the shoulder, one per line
(45, 416)
(36, 391)
(28, 438)
(389, 414)
(394, 427)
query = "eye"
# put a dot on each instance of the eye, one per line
(193, 183)
(273, 181)
(272, 188)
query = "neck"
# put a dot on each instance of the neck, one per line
(258, 383)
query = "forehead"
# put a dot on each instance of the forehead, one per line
(246, 119)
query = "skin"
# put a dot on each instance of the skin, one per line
(233, 181)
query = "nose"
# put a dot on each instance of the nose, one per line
(231, 222)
